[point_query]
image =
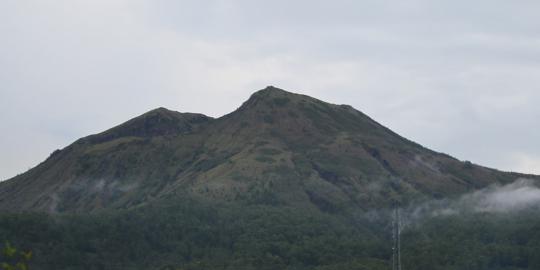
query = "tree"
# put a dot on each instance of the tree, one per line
(13, 259)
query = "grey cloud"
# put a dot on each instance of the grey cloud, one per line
(456, 76)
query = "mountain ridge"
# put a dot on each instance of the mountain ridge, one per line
(277, 148)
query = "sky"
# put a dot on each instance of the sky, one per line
(459, 77)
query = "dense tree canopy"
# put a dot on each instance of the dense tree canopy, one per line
(193, 235)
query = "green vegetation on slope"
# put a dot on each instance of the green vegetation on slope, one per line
(284, 182)
(192, 235)
(478, 241)
(185, 234)
(278, 147)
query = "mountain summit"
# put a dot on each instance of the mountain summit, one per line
(277, 148)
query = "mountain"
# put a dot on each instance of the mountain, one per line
(286, 181)
(277, 148)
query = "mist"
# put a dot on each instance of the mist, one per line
(520, 195)
(517, 196)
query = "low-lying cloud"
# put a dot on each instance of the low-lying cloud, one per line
(523, 194)
(513, 197)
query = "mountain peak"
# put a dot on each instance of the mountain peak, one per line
(160, 110)
(271, 92)
(157, 122)
(272, 97)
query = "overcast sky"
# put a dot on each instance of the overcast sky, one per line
(460, 77)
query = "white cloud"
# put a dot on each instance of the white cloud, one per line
(522, 194)
(513, 197)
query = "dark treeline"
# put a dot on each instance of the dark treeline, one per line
(474, 241)
(188, 235)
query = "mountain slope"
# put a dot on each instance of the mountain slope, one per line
(278, 148)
